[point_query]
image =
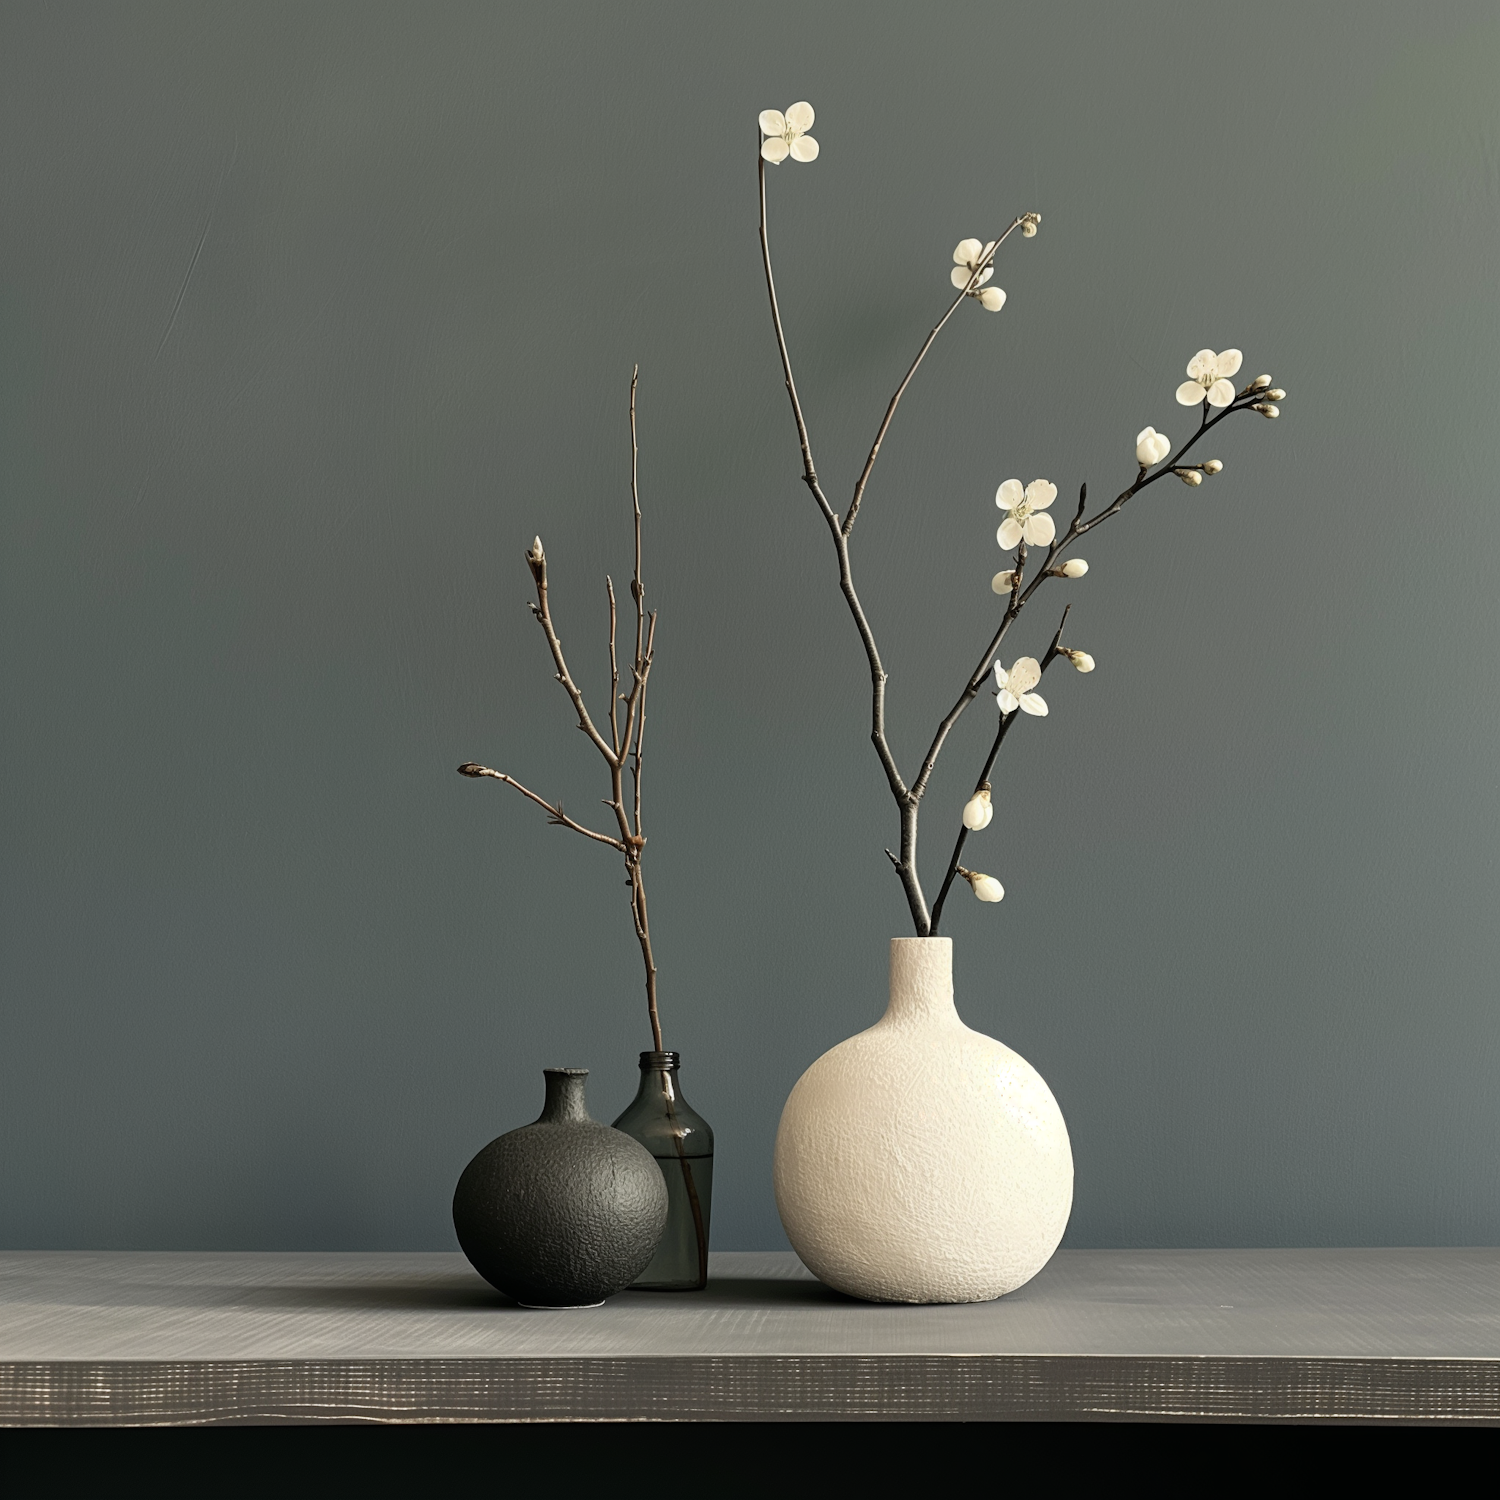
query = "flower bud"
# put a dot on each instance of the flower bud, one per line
(992, 298)
(1266, 409)
(1080, 659)
(1151, 447)
(1075, 567)
(1213, 466)
(1003, 583)
(1260, 382)
(1276, 394)
(1191, 476)
(979, 809)
(986, 887)
(1029, 223)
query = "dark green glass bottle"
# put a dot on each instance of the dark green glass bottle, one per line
(683, 1145)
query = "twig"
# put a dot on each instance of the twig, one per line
(537, 560)
(626, 742)
(1006, 720)
(614, 669)
(890, 411)
(555, 814)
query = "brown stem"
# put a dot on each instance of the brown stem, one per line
(555, 813)
(626, 741)
(614, 669)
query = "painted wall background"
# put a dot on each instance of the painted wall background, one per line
(311, 315)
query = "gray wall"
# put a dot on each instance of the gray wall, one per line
(312, 314)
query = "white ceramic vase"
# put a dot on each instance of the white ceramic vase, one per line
(921, 1161)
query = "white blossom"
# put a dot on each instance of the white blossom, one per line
(1075, 567)
(786, 134)
(1025, 520)
(986, 887)
(966, 258)
(1080, 659)
(1003, 583)
(1210, 374)
(979, 809)
(1014, 687)
(1151, 447)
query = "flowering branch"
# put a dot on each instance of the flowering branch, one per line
(626, 741)
(1027, 524)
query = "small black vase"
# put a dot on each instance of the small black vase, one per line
(563, 1212)
(683, 1144)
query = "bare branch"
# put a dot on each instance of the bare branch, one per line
(536, 560)
(614, 670)
(555, 814)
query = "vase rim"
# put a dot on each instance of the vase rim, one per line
(660, 1059)
(568, 1072)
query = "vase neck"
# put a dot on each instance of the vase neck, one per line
(564, 1104)
(921, 981)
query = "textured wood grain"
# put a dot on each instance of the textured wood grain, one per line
(1369, 1335)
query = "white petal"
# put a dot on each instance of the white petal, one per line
(1004, 583)
(1009, 533)
(1039, 530)
(1040, 494)
(1202, 363)
(992, 297)
(959, 276)
(987, 888)
(1161, 447)
(1189, 393)
(1229, 361)
(1143, 434)
(772, 122)
(1008, 701)
(985, 275)
(800, 116)
(804, 148)
(1031, 704)
(1001, 675)
(1220, 393)
(1009, 495)
(1024, 674)
(967, 252)
(774, 150)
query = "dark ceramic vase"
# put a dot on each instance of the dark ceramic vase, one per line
(563, 1212)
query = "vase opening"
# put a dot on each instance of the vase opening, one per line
(564, 1104)
(921, 980)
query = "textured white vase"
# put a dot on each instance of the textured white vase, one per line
(921, 1161)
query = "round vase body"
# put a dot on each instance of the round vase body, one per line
(921, 1161)
(563, 1212)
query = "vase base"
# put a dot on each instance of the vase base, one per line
(561, 1306)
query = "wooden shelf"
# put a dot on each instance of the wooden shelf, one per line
(1218, 1335)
